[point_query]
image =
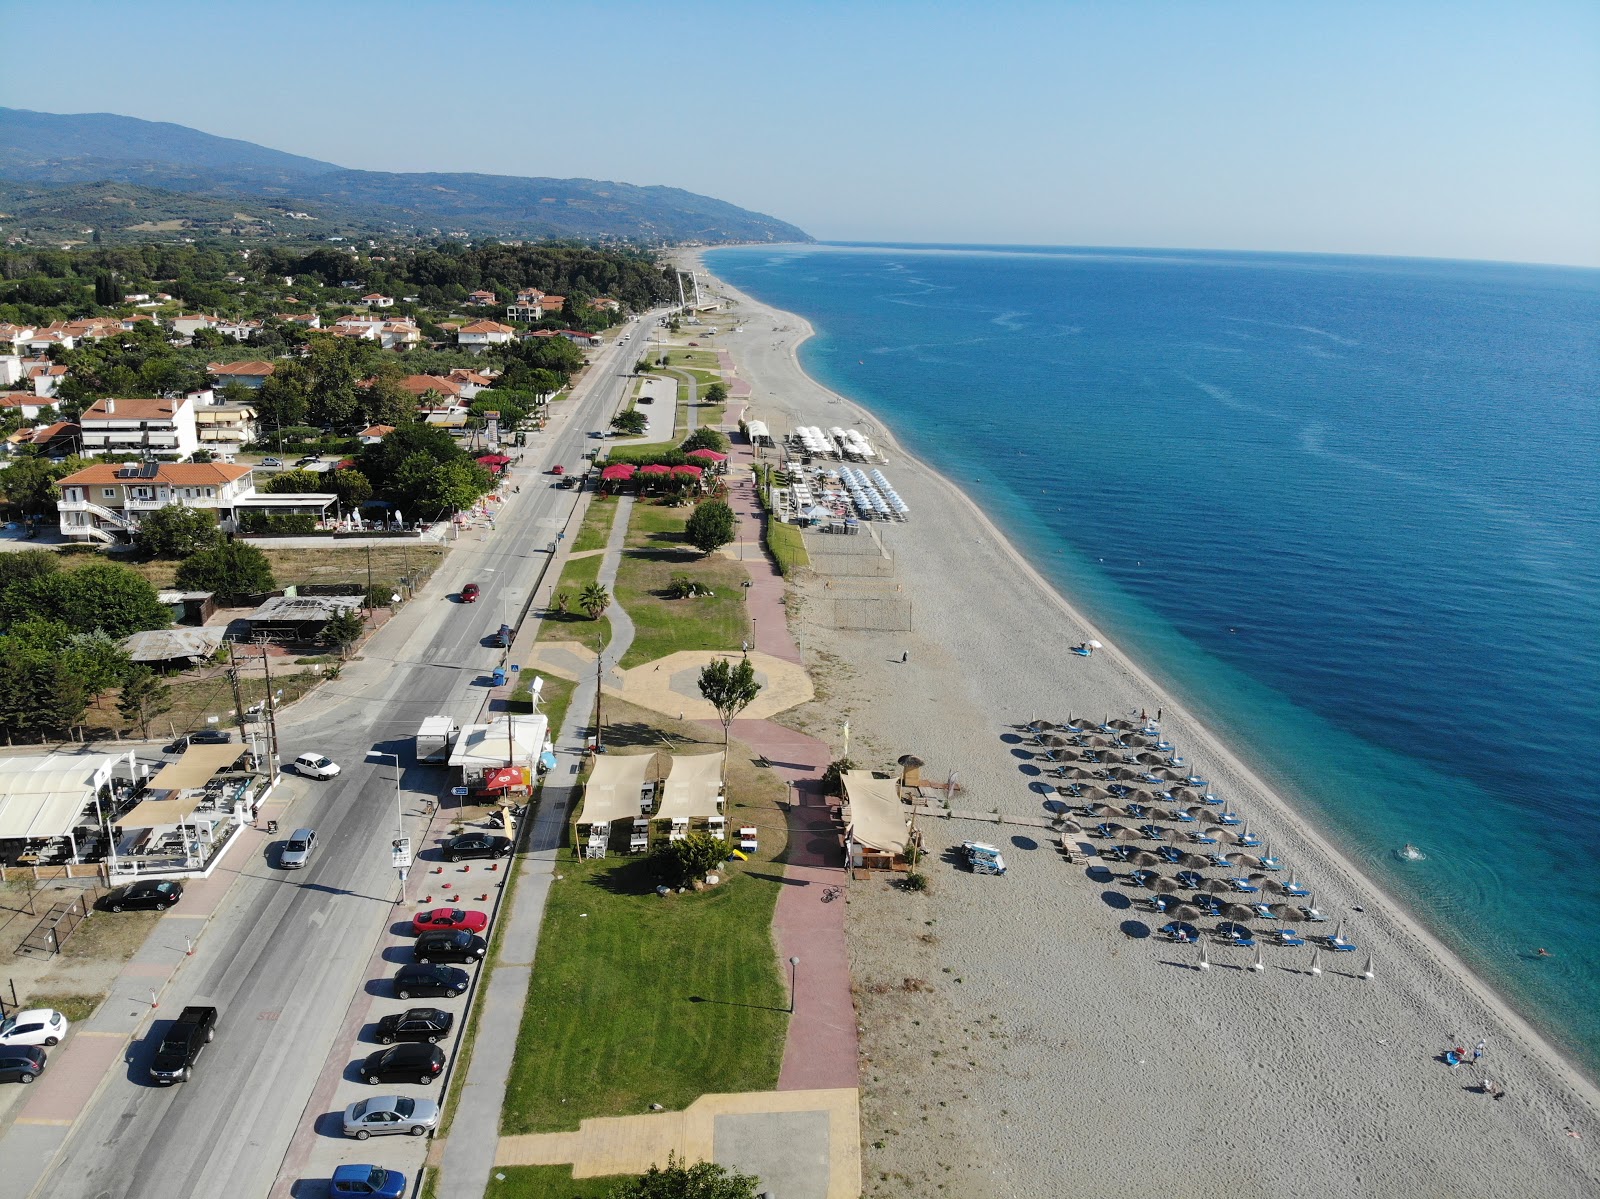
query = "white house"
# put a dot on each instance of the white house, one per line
(104, 501)
(250, 374)
(191, 323)
(163, 429)
(485, 333)
(10, 370)
(376, 300)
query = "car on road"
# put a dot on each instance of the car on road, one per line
(558, 469)
(148, 893)
(451, 945)
(470, 593)
(386, 1115)
(403, 1063)
(428, 980)
(316, 766)
(476, 845)
(297, 849)
(428, 1024)
(367, 1180)
(182, 1044)
(437, 919)
(272, 462)
(36, 1026)
(202, 737)
(23, 1063)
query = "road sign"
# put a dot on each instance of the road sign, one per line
(400, 851)
(458, 791)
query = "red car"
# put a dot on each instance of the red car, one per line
(440, 919)
(558, 470)
(470, 593)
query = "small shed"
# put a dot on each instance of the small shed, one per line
(300, 617)
(189, 607)
(174, 649)
(878, 824)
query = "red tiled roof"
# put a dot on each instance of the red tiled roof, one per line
(377, 431)
(253, 367)
(487, 327)
(181, 474)
(131, 410)
(418, 384)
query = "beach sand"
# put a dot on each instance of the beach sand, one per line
(1015, 1041)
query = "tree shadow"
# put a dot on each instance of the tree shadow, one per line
(632, 876)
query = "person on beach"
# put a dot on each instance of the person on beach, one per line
(1479, 1049)
(905, 656)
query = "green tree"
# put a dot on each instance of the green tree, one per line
(233, 570)
(144, 696)
(717, 393)
(352, 487)
(285, 398)
(594, 599)
(710, 526)
(455, 485)
(177, 532)
(705, 438)
(29, 564)
(391, 465)
(101, 595)
(679, 1180)
(293, 482)
(345, 629)
(632, 422)
(689, 859)
(729, 687)
(385, 402)
(30, 483)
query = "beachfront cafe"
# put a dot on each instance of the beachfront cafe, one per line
(878, 830)
(618, 801)
(54, 806)
(692, 796)
(187, 816)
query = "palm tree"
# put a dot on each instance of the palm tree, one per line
(594, 599)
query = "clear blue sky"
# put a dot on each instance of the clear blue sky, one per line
(1447, 129)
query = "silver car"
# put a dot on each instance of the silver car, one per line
(386, 1114)
(297, 849)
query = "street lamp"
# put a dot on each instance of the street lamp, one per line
(794, 964)
(401, 848)
(375, 755)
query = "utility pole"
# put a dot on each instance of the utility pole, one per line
(597, 742)
(272, 713)
(367, 600)
(233, 678)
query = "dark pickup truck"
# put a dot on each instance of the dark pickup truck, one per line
(190, 1033)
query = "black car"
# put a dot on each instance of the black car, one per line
(476, 845)
(422, 981)
(404, 1063)
(203, 737)
(451, 945)
(159, 894)
(415, 1024)
(21, 1063)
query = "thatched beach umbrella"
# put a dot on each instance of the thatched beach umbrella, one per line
(1144, 858)
(1149, 759)
(1215, 886)
(1077, 772)
(1092, 793)
(1226, 837)
(1194, 861)
(1082, 722)
(1237, 911)
(1185, 796)
(1272, 886)
(1207, 816)
(1122, 724)
(1126, 834)
(1123, 773)
(1067, 825)
(1040, 726)
(1054, 740)
(1166, 886)
(1172, 776)
(1186, 911)
(1137, 740)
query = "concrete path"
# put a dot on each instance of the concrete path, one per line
(801, 1144)
(690, 395)
(670, 685)
(622, 630)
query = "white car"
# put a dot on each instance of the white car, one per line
(315, 766)
(36, 1026)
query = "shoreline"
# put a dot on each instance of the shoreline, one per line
(1580, 1089)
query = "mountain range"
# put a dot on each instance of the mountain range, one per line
(56, 173)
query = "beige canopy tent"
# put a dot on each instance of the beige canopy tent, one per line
(878, 820)
(613, 790)
(43, 795)
(158, 813)
(693, 790)
(195, 768)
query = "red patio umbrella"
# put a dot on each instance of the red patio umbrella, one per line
(655, 468)
(708, 455)
(499, 780)
(688, 472)
(619, 472)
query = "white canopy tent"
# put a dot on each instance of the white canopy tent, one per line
(509, 741)
(614, 788)
(42, 796)
(693, 790)
(878, 820)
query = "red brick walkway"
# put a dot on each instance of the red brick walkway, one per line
(820, 1050)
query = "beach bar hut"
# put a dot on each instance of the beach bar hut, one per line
(620, 789)
(50, 809)
(878, 825)
(693, 792)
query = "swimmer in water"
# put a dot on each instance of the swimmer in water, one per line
(1544, 953)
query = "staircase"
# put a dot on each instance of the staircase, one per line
(115, 519)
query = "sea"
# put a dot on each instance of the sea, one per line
(1347, 508)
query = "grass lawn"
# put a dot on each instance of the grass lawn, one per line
(556, 697)
(202, 692)
(787, 546)
(548, 1182)
(638, 999)
(576, 625)
(664, 626)
(704, 359)
(596, 526)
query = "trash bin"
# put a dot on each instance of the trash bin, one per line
(499, 676)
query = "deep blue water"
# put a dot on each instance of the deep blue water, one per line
(1349, 508)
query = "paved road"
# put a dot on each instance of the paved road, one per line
(287, 951)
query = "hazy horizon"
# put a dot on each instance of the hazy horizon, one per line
(1435, 130)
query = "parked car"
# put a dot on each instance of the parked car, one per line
(202, 737)
(446, 918)
(21, 1063)
(403, 1063)
(647, 399)
(36, 1026)
(368, 1180)
(451, 945)
(476, 845)
(425, 980)
(470, 593)
(385, 1115)
(148, 893)
(297, 849)
(316, 766)
(272, 462)
(428, 1024)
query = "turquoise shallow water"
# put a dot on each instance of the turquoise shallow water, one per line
(1348, 508)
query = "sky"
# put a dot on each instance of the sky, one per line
(1463, 130)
